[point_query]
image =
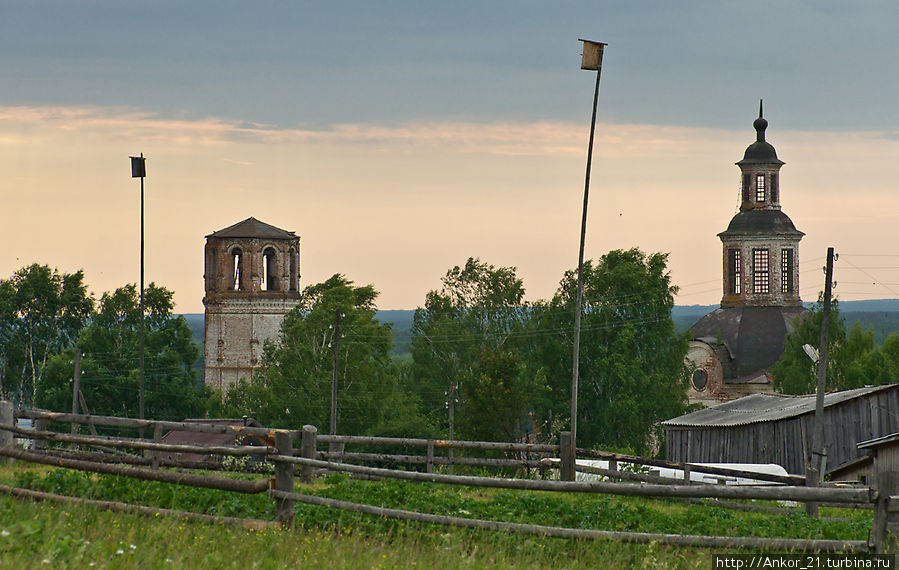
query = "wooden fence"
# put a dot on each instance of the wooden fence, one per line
(297, 451)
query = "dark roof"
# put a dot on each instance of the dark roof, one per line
(205, 438)
(754, 336)
(253, 228)
(765, 407)
(879, 441)
(761, 151)
(761, 222)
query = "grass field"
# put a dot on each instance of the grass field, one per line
(35, 533)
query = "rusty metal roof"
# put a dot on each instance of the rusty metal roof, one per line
(204, 438)
(764, 408)
(253, 228)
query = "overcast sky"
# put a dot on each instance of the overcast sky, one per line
(398, 138)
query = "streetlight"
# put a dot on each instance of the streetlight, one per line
(591, 60)
(812, 353)
(139, 170)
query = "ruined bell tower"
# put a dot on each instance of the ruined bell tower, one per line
(252, 281)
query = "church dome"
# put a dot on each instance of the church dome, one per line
(761, 151)
(754, 336)
(763, 222)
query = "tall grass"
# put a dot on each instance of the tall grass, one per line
(77, 537)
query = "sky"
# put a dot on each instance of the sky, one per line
(400, 138)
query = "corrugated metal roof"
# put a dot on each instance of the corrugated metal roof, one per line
(764, 407)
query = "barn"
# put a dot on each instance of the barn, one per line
(773, 428)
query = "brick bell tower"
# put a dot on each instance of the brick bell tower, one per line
(761, 244)
(252, 281)
(734, 346)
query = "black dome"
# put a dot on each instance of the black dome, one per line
(760, 152)
(768, 222)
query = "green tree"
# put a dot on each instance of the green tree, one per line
(497, 398)
(632, 372)
(41, 314)
(852, 360)
(881, 365)
(465, 342)
(294, 386)
(110, 369)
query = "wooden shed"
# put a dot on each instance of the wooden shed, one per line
(771, 428)
(207, 438)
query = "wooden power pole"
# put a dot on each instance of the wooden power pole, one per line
(817, 465)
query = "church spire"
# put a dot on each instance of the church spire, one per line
(760, 125)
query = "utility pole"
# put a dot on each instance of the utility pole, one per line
(76, 386)
(452, 417)
(817, 465)
(334, 344)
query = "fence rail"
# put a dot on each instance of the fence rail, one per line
(514, 447)
(790, 544)
(307, 460)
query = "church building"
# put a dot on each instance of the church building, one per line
(252, 281)
(734, 346)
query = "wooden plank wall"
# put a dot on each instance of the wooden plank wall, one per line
(787, 442)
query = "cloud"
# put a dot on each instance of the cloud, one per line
(539, 138)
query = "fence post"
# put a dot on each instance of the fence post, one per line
(308, 447)
(284, 478)
(40, 425)
(687, 479)
(154, 455)
(429, 468)
(613, 467)
(567, 452)
(7, 419)
(886, 482)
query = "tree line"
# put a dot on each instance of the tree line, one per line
(45, 316)
(485, 364)
(854, 358)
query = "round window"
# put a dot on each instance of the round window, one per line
(700, 379)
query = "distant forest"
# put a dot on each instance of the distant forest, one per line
(880, 315)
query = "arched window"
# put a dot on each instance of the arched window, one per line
(236, 270)
(269, 270)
